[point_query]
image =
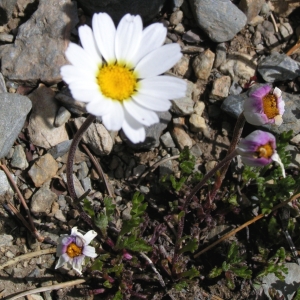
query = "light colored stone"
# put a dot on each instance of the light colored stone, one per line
(18, 159)
(181, 138)
(197, 123)
(203, 63)
(220, 89)
(4, 185)
(62, 117)
(296, 140)
(167, 140)
(184, 106)
(251, 8)
(43, 169)
(96, 136)
(182, 66)
(42, 201)
(176, 17)
(286, 30)
(199, 108)
(210, 165)
(41, 127)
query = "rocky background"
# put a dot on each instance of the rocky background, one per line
(225, 43)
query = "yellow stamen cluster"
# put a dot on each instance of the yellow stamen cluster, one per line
(270, 106)
(73, 250)
(116, 81)
(265, 151)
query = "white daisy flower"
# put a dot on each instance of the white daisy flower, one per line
(116, 72)
(72, 249)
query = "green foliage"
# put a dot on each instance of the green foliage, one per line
(190, 274)
(107, 284)
(118, 296)
(297, 296)
(233, 266)
(191, 246)
(180, 285)
(132, 241)
(99, 261)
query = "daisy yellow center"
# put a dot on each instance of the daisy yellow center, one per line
(116, 81)
(73, 250)
(265, 151)
(270, 106)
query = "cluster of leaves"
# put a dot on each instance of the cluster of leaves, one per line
(271, 187)
(234, 266)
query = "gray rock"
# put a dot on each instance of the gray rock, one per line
(42, 201)
(8, 38)
(138, 170)
(86, 184)
(176, 17)
(256, 38)
(233, 105)
(62, 117)
(181, 138)
(166, 168)
(60, 149)
(167, 141)
(18, 159)
(5, 185)
(287, 287)
(41, 127)
(13, 111)
(220, 19)
(43, 169)
(6, 240)
(3, 88)
(38, 51)
(6, 10)
(153, 133)
(118, 8)
(286, 30)
(79, 191)
(220, 55)
(96, 136)
(177, 3)
(203, 64)
(235, 89)
(278, 67)
(270, 39)
(220, 89)
(83, 171)
(184, 106)
(251, 8)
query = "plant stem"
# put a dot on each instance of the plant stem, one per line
(199, 185)
(76, 139)
(237, 132)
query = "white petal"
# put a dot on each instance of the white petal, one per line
(80, 59)
(89, 251)
(114, 119)
(167, 87)
(84, 94)
(277, 92)
(128, 37)
(152, 102)
(153, 37)
(104, 33)
(275, 157)
(140, 114)
(77, 263)
(62, 259)
(278, 120)
(89, 236)
(99, 106)
(133, 130)
(70, 73)
(88, 43)
(158, 61)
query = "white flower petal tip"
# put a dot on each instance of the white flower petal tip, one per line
(117, 72)
(73, 248)
(264, 106)
(275, 157)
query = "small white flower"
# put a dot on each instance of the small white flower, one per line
(116, 72)
(73, 248)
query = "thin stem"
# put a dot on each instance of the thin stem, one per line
(76, 139)
(237, 132)
(23, 202)
(231, 233)
(228, 158)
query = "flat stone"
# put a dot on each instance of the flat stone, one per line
(38, 51)
(166, 168)
(118, 8)
(220, 89)
(220, 55)
(42, 201)
(79, 191)
(239, 66)
(197, 123)
(5, 188)
(182, 66)
(296, 140)
(18, 159)
(184, 106)
(167, 141)
(233, 105)
(176, 17)
(13, 112)
(286, 30)
(43, 169)
(221, 20)
(41, 127)
(6, 240)
(181, 138)
(60, 149)
(203, 64)
(62, 117)
(96, 136)
(278, 67)
(251, 8)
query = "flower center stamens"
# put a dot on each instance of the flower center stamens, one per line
(265, 151)
(270, 106)
(73, 250)
(116, 81)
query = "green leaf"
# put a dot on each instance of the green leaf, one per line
(297, 296)
(191, 246)
(109, 207)
(107, 284)
(232, 253)
(242, 272)
(87, 207)
(193, 272)
(97, 265)
(118, 296)
(187, 167)
(101, 221)
(117, 269)
(215, 272)
(135, 244)
(180, 285)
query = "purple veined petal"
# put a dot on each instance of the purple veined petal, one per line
(114, 119)
(105, 32)
(255, 162)
(261, 138)
(62, 259)
(89, 251)
(128, 38)
(253, 104)
(280, 106)
(133, 130)
(89, 236)
(256, 118)
(260, 92)
(67, 240)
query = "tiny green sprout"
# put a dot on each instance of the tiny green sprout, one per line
(191, 245)
(118, 296)
(180, 285)
(190, 274)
